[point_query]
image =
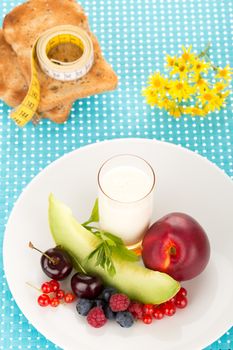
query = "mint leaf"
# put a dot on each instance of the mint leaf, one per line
(89, 228)
(94, 215)
(91, 255)
(107, 249)
(117, 240)
(103, 255)
(105, 238)
(110, 244)
(126, 253)
(95, 212)
(100, 256)
(111, 269)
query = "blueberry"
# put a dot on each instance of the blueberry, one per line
(124, 319)
(110, 315)
(107, 293)
(83, 306)
(100, 303)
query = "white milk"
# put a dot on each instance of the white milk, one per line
(125, 202)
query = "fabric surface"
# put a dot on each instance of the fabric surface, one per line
(134, 36)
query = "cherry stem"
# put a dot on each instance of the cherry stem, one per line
(54, 261)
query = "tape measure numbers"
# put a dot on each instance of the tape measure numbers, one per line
(59, 70)
(26, 110)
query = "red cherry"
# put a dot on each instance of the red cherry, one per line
(147, 319)
(181, 301)
(54, 302)
(55, 285)
(148, 309)
(158, 313)
(43, 300)
(182, 292)
(69, 297)
(46, 288)
(169, 308)
(60, 294)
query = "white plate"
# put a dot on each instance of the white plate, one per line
(185, 182)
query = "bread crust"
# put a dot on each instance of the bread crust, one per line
(13, 86)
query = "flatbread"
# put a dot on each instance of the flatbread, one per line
(13, 86)
(26, 22)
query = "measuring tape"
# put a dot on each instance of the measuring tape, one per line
(59, 70)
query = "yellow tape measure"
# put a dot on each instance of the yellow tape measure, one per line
(59, 70)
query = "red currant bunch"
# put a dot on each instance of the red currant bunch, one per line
(168, 308)
(53, 295)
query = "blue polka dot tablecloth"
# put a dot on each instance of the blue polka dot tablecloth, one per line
(134, 36)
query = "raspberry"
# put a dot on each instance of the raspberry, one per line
(119, 302)
(136, 309)
(96, 317)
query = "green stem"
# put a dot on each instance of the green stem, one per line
(92, 227)
(86, 223)
(205, 53)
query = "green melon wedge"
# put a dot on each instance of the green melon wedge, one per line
(131, 278)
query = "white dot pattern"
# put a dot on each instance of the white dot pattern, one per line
(134, 36)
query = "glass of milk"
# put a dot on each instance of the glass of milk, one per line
(125, 192)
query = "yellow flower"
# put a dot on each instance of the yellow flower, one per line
(225, 73)
(200, 66)
(151, 95)
(171, 61)
(164, 103)
(188, 86)
(181, 90)
(194, 111)
(175, 110)
(201, 84)
(219, 86)
(159, 84)
(210, 100)
(171, 106)
(222, 97)
(206, 109)
(224, 94)
(187, 56)
(156, 81)
(166, 87)
(180, 68)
